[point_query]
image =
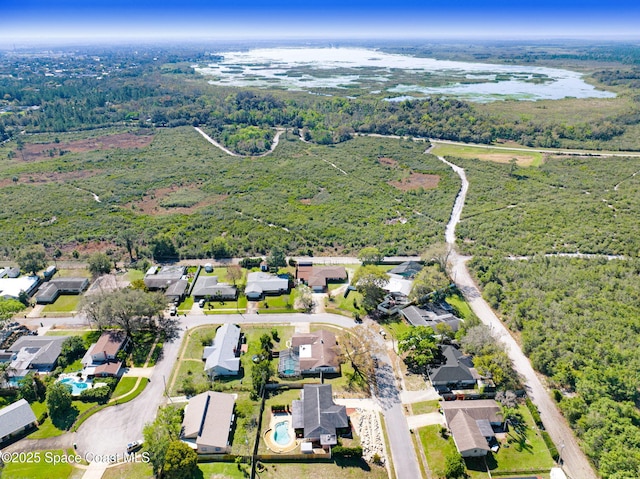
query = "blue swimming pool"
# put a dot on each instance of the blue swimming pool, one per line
(281, 433)
(76, 386)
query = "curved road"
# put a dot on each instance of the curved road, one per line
(576, 464)
(107, 432)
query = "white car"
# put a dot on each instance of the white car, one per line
(133, 446)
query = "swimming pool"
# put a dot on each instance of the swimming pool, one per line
(281, 433)
(76, 386)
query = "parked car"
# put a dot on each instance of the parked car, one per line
(173, 310)
(201, 303)
(133, 446)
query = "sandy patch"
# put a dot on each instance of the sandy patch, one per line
(42, 151)
(387, 161)
(416, 181)
(522, 160)
(49, 177)
(150, 204)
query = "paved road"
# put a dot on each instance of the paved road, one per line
(104, 433)
(575, 462)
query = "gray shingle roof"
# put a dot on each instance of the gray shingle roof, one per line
(208, 417)
(48, 348)
(321, 415)
(456, 368)
(15, 417)
(223, 352)
(209, 286)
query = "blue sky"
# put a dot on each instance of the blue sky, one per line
(44, 20)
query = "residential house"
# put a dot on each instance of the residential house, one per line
(207, 287)
(427, 317)
(316, 418)
(50, 291)
(11, 288)
(318, 278)
(35, 353)
(472, 424)
(408, 269)
(222, 358)
(398, 286)
(101, 359)
(455, 371)
(208, 422)
(160, 279)
(393, 303)
(260, 284)
(16, 419)
(310, 353)
(177, 291)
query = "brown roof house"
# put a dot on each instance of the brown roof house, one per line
(316, 418)
(101, 357)
(472, 424)
(310, 353)
(208, 422)
(319, 277)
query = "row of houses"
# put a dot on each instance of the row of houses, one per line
(209, 419)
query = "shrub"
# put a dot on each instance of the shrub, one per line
(100, 395)
(550, 445)
(341, 452)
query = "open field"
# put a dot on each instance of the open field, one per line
(488, 154)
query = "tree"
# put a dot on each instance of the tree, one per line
(6, 370)
(181, 461)
(359, 347)
(129, 309)
(32, 259)
(99, 264)
(305, 297)
(437, 253)
(127, 239)
(419, 345)
(164, 248)
(8, 307)
(430, 283)
(72, 348)
(234, 273)
(370, 281)
(454, 466)
(159, 434)
(59, 404)
(261, 372)
(370, 255)
(277, 258)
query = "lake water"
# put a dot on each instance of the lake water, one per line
(398, 76)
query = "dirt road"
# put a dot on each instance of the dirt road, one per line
(576, 465)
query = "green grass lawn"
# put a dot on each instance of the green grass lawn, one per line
(499, 155)
(130, 470)
(73, 273)
(278, 304)
(222, 470)
(461, 306)
(520, 454)
(186, 305)
(40, 466)
(349, 303)
(64, 304)
(74, 366)
(425, 407)
(134, 274)
(226, 307)
(143, 341)
(125, 385)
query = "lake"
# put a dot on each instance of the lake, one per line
(353, 71)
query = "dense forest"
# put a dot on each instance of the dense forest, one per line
(579, 322)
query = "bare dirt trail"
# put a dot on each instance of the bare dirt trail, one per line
(576, 465)
(274, 144)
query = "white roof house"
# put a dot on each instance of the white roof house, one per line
(398, 284)
(259, 283)
(10, 288)
(223, 357)
(15, 419)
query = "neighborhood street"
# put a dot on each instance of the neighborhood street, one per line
(109, 431)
